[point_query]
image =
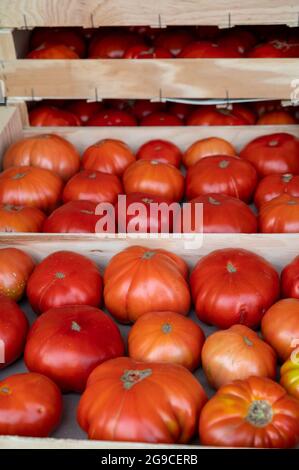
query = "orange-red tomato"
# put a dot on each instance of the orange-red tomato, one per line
(69, 37)
(173, 40)
(221, 174)
(56, 51)
(289, 376)
(15, 269)
(290, 279)
(30, 405)
(233, 286)
(207, 148)
(109, 156)
(160, 150)
(256, 412)
(236, 354)
(208, 50)
(166, 337)
(143, 108)
(112, 45)
(154, 178)
(161, 118)
(280, 215)
(48, 151)
(240, 39)
(51, 116)
(84, 109)
(142, 51)
(146, 402)
(20, 219)
(112, 117)
(280, 327)
(139, 280)
(213, 116)
(268, 50)
(181, 110)
(276, 117)
(273, 186)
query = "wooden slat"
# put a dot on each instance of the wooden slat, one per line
(11, 128)
(87, 13)
(7, 45)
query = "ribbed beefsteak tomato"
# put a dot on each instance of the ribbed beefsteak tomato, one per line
(213, 116)
(208, 147)
(280, 215)
(275, 118)
(289, 376)
(290, 279)
(69, 37)
(161, 119)
(109, 156)
(84, 109)
(15, 269)
(55, 51)
(51, 116)
(160, 150)
(112, 117)
(20, 219)
(273, 186)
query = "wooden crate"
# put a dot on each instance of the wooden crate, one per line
(155, 79)
(95, 13)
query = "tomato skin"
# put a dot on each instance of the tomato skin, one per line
(208, 50)
(70, 38)
(15, 269)
(112, 117)
(147, 52)
(112, 45)
(50, 116)
(143, 108)
(157, 278)
(289, 377)
(241, 40)
(58, 51)
(268, 50)
(109, 156)
(272, 186)
(161, 119)
(290, 279)
(67, 343)
(280, 326)
(30, 405)
(221, 174)
(48, 151)
(169, 396)
(174, 40)
(213, 116)
(154, 178)
(275, 118)
(90, 185)
(180, 110)
(166, 337)
(224, 214)
(280, 215)
(207, 148)
(20, 219)
(236, 354)
(13, 330)
(160, 150)
(256, 412)
(272, 154)
(57, 281)
(84, 110)
(233, 286)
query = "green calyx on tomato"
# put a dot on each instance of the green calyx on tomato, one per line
(166, 328)
(214, 201)
(75, 326)
(247, 341)
(223, 164)
(59, 275)
(287, 178)
(259, 413)
(148, 254)
(231, 268)
(132, 377)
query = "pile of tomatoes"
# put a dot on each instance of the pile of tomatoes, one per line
(145, 390)
(45, 171)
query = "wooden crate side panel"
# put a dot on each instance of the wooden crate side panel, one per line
(11, 128)
(7, 45)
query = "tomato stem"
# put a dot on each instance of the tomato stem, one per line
(75, 326)
(259, 413)
(148, 254)
(214, 201)
(223, 164)
(287, 178)
(247, 341)
(231, 268)
(59, 275)
(132, 377)
(166, 328)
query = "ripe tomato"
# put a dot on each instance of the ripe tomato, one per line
(161, 119)
(64, 278)
(112, 45)
(143, 108)
(223, 214)
(166, 337)
(160, 150)
(268, 50)
(48, 151)
(213, 116)
(142, 51)
(69, 37)
(13, 331)
(138, 280)
(239, 39)
(289, 377)
(273, 186)
(174, 40)
(112, 117)
(208, 50)
(280, 327)
(263, 107)
(274, 118)
(74, 217)
(51, 116)
(95, 186)
(58, 51)
(236, 354)
(108, 156)
(274, 153)
(290, 279)
(148, 402)
(67, 343)
(256, 412)
(84, 110)
(207, 148)
(233, 286)
(180, 110)
(30, 405)
(154, 178)
(280, 215)
(20, 219)
(15, 269)
(221, 174)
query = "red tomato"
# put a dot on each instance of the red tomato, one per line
(141, 51)
(208, 147)
(143, 108)
(47, 151)
(180, 110)
(169, 402)
(213, 116)
(208, 50)
(280, 327)
(50, 116)
(207, 32)
(274, 153)
(55, 36)
(160, 150)
(174, 40)
(262, 107)
(233, 286)
(221, 175)
(20, 219)
(236, 354)
(239, 39)
(64, 278)
(90, 185)
(223, 214)
(271, 49)
(290, 279)
(112, 117)
(166, 337)
(84, 110)
(273, 186)
(67, 343)
(118, 104)
(30, 405)
(109, 156)
(15, 269)
(154, 178)
(13, 331)
(256, 412)
(52, 52)
(138, 280)
(280, 215)
(161, 119)
(275, 118)
(113, 45)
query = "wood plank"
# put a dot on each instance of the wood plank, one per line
(7, 45)
(11, 128)
(150, 79)
(87, 13)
